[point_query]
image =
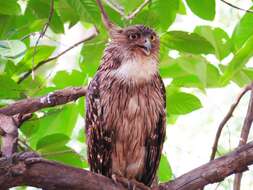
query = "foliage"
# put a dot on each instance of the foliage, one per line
(51, 130)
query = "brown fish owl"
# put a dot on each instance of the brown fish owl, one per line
(125, 117)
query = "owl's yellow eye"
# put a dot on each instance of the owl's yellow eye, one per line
(152, 37)
(133, 36)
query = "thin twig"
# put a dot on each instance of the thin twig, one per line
(136, 11)
(236, 7)
(225, 120)
(108, 24)
(244, 137)
(120, 10)
(42, 33)
(116, 7)
(55, 57)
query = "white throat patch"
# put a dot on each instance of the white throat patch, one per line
(137, 69)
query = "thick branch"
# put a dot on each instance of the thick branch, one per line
(52, 99)
(9, 131)
(214, 171)
(50, 175)
(244, 136)
(45, 174)
(9, 136)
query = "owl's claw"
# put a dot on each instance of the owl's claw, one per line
(129, 184)
(29, 157)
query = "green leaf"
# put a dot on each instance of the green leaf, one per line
(9, 7)
(180, 103)
(67, 12)
(129, 7)
(87, 10)
(164, 170)
(13, 50)
(75, 78)
(164, 12)
(203, 8)
(243, 31)
(56, 120)
(53, 147)
(91, 59)
(159, 15)
(9, 89)
(182, 8)
(186, 42)
(218, 38)
(41, 10)
(190, 71)
(42, 53)
(239, 60)
(243, 77)
(52, 141)
(67, 156)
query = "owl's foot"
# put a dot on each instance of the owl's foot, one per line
(129, 184)
(29, 157)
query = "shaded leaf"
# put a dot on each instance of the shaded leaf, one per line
(203, 8)
(13, 50)
(52, 141)
(218, 38)
(186, 42)
(41, 9)
(9, 89)
(159, 15)
(9, 7)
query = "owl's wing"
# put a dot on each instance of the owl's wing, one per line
(154, 144)
(98, 140)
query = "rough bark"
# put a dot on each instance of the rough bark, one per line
(31, 105)
(52, 175)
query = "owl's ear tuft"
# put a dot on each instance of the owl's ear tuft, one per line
(111, 27)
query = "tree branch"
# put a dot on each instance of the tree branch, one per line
(41, 63)
(31, 105)
(10, 135)
(136, 11)
(226, 118)
(244, 136)
(42, 33)
(214, 171)
(131, 15)
(108, 24)
(52, 175)
(236, 7)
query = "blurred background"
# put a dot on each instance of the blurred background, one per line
(189, 137)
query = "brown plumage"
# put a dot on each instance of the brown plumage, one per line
(125, 115)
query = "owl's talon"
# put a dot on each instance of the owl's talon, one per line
(129, 184)
(29, 157)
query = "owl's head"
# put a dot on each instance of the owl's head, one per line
(136, 39)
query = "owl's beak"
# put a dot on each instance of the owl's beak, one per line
(146, 47)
